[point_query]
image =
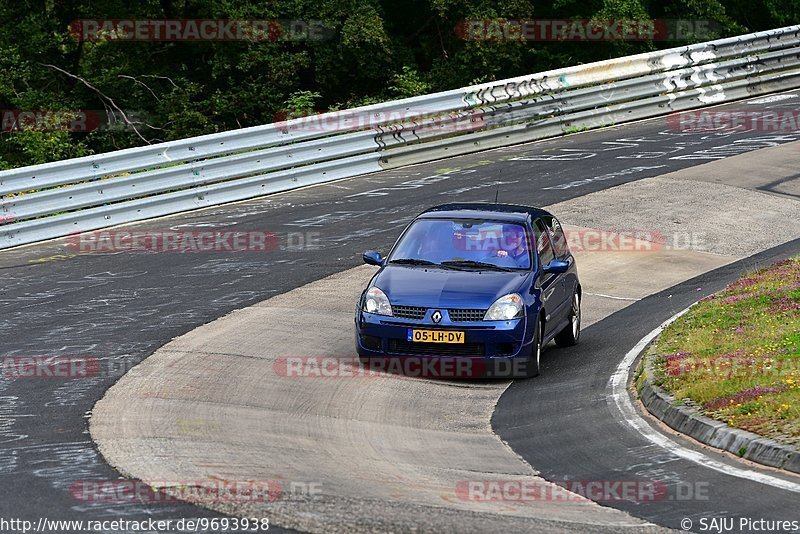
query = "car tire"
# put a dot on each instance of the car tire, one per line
(571, 333)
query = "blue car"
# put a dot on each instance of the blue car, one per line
(485, 284)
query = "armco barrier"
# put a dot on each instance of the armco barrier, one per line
(61, 198)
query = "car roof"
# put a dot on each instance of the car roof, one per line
(483, 210)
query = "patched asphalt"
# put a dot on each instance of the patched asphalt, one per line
(121, 307)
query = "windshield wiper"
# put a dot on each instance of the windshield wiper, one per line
(418, 261)
(477, 264)
(412, 261)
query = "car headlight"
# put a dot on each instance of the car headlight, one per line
(376, 301)
(505, 308)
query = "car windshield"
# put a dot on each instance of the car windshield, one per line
(468, 244)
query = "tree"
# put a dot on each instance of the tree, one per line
(317, 55)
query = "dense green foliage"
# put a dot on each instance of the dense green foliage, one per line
(375, 50)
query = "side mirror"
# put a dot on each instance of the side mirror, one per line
(556, 267)
(372, 257)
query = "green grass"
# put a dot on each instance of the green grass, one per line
(737, 353)
(575, 129)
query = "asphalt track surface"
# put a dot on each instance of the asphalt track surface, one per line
(581, 436)
(119, 308)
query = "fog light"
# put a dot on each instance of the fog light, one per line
(370, 342)
(505, 349)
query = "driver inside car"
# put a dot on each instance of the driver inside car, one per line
(512, 244)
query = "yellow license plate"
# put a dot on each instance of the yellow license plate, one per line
(435, 336)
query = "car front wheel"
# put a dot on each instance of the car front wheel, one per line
(570, 334)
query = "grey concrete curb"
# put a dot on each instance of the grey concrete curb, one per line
(688, 420)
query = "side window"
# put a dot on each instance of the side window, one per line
(559, 239)
(543, 246)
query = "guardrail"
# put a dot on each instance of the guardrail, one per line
(78, 195)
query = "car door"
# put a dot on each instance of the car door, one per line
(561, 249)
(552, 285)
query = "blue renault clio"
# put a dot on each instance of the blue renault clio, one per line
(485, 283)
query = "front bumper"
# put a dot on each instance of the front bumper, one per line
(488, 345)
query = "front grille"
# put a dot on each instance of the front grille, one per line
(401, 346)
(409, 312)
(460, 316)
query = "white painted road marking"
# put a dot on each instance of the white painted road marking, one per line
(772, 98)
(610, 296)
(619, 393)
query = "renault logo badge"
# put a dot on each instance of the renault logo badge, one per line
(437, 316)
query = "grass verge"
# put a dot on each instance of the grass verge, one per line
(736, 354)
